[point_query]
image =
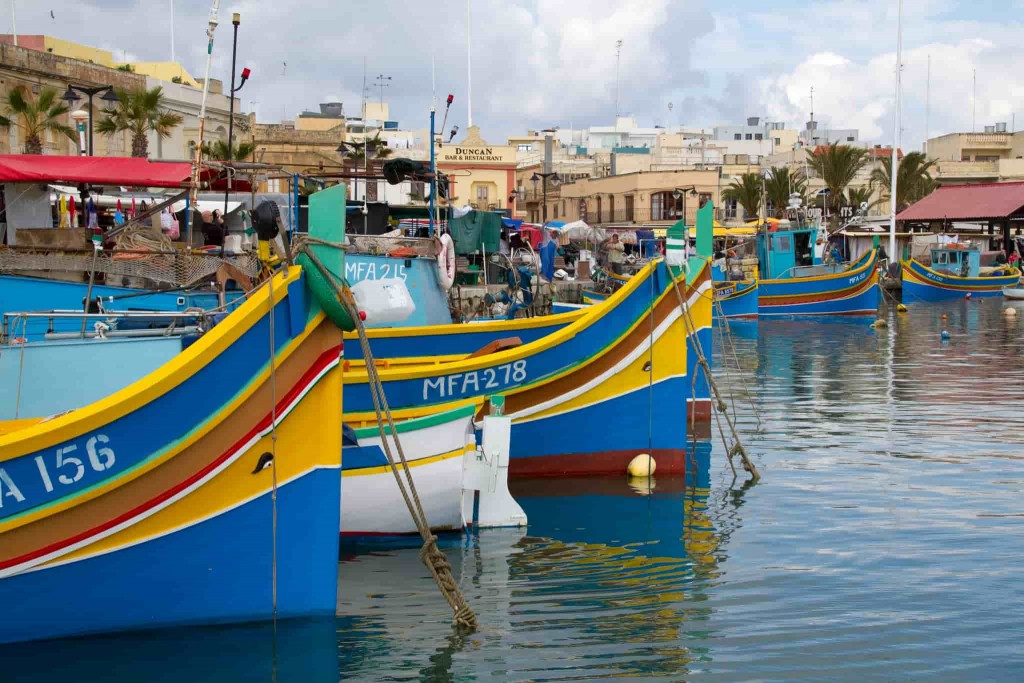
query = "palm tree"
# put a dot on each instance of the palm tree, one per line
(855, 196)
(218, 151)
(747, 192)
(837, 165)
(781, 182)
(140, 112)
(36, 118)
(913, 179)
(378, 149)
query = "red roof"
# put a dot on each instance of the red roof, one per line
(127, 171)
(968, 202)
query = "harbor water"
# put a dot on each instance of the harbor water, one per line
(884, 542)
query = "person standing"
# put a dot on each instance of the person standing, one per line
(616, 254)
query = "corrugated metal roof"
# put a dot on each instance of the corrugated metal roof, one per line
(968, 202)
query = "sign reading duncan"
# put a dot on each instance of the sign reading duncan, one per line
(475, 154)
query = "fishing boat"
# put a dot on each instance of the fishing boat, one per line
(799, 282)
(1015, 293)
(955, 271)
(434, 445)
(204, 492)
(621, 363)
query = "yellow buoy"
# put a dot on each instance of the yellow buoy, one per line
(881, 322)
(1010, 312)
(901, 308)
(642, 465)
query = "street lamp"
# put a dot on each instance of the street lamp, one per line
(680, 193)
(544, 177)
(236, 19)
(109, 96)
(79, 116)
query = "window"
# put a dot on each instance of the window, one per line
(703, 198)
(778, 141)
(554, 210)
(730, 208)
(598, 209)
(749, 136)
(769, 208)
(737, 137)
(849, 138)
(418, 189)
(583, 209)
(274, 185)
(629, 208)
(666, 207)
(759, 136)
(611, 207)
(524, 148)
(481, 193)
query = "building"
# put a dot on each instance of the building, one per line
(994, 156)
(755, 139)
(43, 61)
(633, 199)
(814, 135)
(479, 174)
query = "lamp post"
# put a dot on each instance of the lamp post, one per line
(680, 193)
(236, 19)
(543, 177)
(79, 116)
(71, 96)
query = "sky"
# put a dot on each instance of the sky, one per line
(545, 63)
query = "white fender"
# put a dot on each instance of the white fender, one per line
(446, 262)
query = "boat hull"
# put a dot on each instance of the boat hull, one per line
(116, 517)
(851, 292)
(921, 283)
(736, 299)
(371, 503)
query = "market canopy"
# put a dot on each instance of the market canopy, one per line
(126, 171)
(984, 202)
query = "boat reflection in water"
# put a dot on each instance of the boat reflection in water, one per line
(609, 579)
(299, 650)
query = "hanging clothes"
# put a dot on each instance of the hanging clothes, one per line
(72, 211)
(92, 217)
(63, 218)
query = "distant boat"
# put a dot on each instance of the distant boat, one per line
(955, 271)
(799, 282)
(1014, 293)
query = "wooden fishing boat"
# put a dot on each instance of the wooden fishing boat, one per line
(617, 364)
(955, 271)
(205, 492)
(816, 289)
(736, 299)
(434, 445)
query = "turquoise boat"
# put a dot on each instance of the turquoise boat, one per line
(955, 272)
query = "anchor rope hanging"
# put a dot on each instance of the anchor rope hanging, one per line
(430, 554)
(721, 413)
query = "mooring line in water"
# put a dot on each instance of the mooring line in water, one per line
(725, 331)
(430, 554)
(719, 406)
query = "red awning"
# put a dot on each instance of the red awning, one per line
(987, 201)
(126, 171)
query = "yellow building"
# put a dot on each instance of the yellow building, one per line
(480, 174)
(659, 197)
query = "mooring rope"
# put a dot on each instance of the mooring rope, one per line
(718, 404)
(430, 554)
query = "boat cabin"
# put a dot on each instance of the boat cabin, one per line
(789, 253)
(959, 260)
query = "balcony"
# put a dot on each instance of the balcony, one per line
(987, 141)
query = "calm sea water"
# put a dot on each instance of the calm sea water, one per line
(884, 542)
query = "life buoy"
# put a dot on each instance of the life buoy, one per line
(446, 262)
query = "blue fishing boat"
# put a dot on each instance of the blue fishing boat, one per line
(800, 282)
(955, 271)
(153, 506)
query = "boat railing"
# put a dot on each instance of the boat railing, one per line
(808, 271)
(13, 332)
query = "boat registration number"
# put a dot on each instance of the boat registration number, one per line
(28, 479)
(466, 384)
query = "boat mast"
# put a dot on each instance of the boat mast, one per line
(894, 159)
(193, 193)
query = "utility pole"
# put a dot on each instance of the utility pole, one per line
(618, 55)
(469, 65)
(974, 103)
(927, 104)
